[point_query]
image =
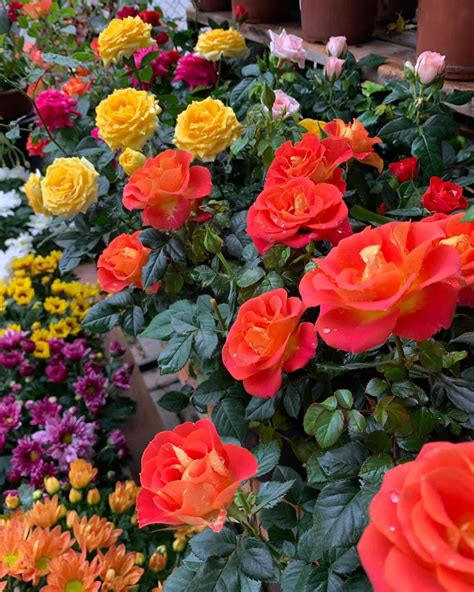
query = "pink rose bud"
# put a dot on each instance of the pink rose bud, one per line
(430, 66)
(287, 47)
(337, 47)
(284, 105)
(333, 68)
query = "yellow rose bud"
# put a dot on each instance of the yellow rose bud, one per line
(81, 473)
(93, 497)
(32, 190)
(35, 326)
(220, 43)
(69, 186)
(127, 118)
(52, 485)
(315, 126)
(75, 496)
(206, 128)
(122, 38)
(62, 511)
(12, 502)
(179, 545)
(159, 559)
(71, 518)
(131, 160)
(139, 558)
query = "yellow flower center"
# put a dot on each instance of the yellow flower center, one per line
(74, 586)
(373, 259)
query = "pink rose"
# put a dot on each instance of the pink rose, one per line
(56, 109)
(284, 105)
(195, 71)
(160, 65)
(333, 68)
(429, 66)
(287, 47)
(337, 47)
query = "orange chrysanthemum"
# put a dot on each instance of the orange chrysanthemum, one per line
(3, 585)
(40, 548)
(12, 535)
(124, 497)
(95, 533)
(45, 513)
(118, 570)
(71, 572)
(81, 473)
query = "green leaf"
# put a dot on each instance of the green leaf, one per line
(428, 149)
(60, 60)
(101, 318)
(211, 544)
(311, 417)
(270, 494)
(371, 61)
(431, 355)
(267, 455)
(175, 356)
(457, 97)
(344, 398)
(459, 391)
(399, 131)
(212, 390)
(228, 417)
(250, 277)
(205, 343)
(375, 467)
(154, 269)
(469, 215)
(174, 401)
(343, 462)
(360, 213)
(440, 126)
(329, 427)
(256, 560)
(356, 422)
(377, 387)
(133, 321)
(296, 576)
(260, 409)
(160, 327)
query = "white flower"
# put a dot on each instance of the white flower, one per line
(9, 201)
(17, 172)
(38, 223)
(20, 245)
(6, 259)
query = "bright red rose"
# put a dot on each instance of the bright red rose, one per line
(13, 9)
(420, 531)
(358, 139)
(316, 159)
(240, 13)
(267, 339)
(459, 235)
(405, 169)
(443, 196)
(167, 189)
(297, 212)
(189, 476)
(121, 263)
(127, 11)
(161, 38)
(395, 279)
(36, 148)
(152, 17)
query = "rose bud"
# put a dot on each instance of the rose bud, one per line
(404, 169)
(333, 68)
(337, 47)
(430, 66)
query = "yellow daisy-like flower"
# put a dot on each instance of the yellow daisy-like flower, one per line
(131, 160)
(47, 264)
(3, 303)
(10, 327)
(40, 334)
(127, 118)
(122, 38)
(23, 295)
(59, 330)
(32, 190)
(220, 43)
(55, 306)
(70, 186)
(42, 351)
(23, 263)
(206, 128)
(79, 308)
(72, 325)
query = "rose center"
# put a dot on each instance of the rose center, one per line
(373, 259)
(257, 338)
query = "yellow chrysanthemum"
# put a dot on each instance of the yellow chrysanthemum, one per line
(206, 128)
(220, 43)
(127, 118)
(47, 264)
(79, 308)
(55, 305)
(122, 38)
(42, 351)
(23, 263)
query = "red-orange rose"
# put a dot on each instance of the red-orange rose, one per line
(459, 235)
(76, 86)
(443, 196)
(167, 189)
(297, 212)
(266, 340)
(357, 138)
(421, 523)
(121, 263)
(316, 159)
(189, 476)
(404, 169)
(395, 279)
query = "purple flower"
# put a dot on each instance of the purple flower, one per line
(28, 461)
(3, 441)
(116, 349)
(41, 411)
(122, 377)
(56, 345)
(91, 388)
(56, 372)
(11, 339)
(76, 350)
(11, 359)
(28, 346)
(67, 438)
(91, 367)
(26, 368)
(118, 441)
(10, 414)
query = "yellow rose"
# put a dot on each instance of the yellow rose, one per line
(206, 128)
(220, 43)
(131, 160)
(122, 38)
(315, 126)
(69, 186)
(32, 189)
(127, 118)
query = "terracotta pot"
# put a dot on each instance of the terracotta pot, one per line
(390, 9)
(213, 5)
(355, 19)
(446, 27)
(265, 11)
(14, 105)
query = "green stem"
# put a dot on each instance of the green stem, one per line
(225, 264)
(401, 353)
(218, 313)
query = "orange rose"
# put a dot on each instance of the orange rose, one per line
(420, 532)
(297, 212)
(121, 263)
(357, 137)
(189, 476)
(395, 279)
(167, 188)
(313, 158)
(266, 340)
(36, 10)
(76, 85)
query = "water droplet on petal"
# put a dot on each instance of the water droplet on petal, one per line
(326, 330)
(392, 528)
(394, 497)
(452, 562)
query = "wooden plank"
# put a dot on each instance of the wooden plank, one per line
(395, 52)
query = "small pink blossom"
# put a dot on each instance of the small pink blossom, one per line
(429, 66)
(287, 47)
(284, 105)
